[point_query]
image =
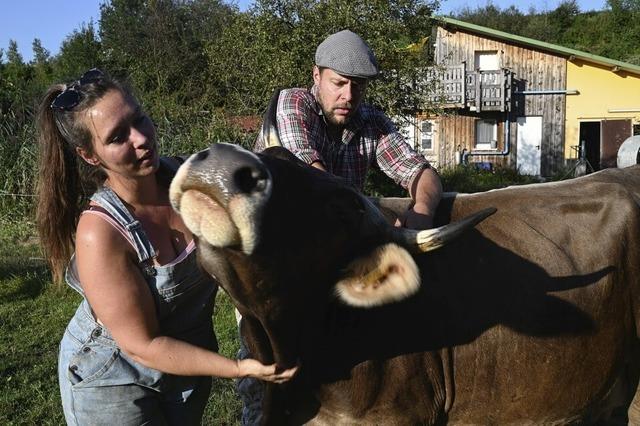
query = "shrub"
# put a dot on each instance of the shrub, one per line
(469, 178)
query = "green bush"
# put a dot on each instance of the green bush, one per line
(469, 178)
(189, 134)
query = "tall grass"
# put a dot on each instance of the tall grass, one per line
(181, 135)
(17, 166)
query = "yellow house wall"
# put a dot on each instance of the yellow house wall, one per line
(601, 90)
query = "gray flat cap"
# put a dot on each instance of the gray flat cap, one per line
(347, 54)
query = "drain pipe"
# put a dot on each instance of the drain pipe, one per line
(548, 92)
(507, 145)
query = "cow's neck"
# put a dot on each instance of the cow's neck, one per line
(353, 353)
(420, 385)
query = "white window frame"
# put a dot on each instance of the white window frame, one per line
(486, 60)
(430, 135)
(492, 144)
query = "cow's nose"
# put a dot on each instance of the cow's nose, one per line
(236, 169)
(250, 179)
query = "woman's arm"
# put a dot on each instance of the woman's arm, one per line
(121, 300)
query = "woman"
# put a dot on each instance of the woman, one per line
(140, 348)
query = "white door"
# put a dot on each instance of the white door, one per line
(529, 144)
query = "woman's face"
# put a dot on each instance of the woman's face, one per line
(123, 137)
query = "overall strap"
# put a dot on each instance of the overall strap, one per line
(108, 200)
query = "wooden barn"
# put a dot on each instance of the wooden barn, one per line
(504, 101)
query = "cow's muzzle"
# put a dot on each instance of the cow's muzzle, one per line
(219, 193)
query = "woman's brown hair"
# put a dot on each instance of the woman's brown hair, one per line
(64, 180)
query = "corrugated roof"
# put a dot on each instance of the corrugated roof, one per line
(541, 45)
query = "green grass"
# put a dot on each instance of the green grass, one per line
(33, 316)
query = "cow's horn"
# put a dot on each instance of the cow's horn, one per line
(431, 239)
(269, 130)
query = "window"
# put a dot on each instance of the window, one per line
(636, 129)
(486, 60)
(486, 134)
(426, 135)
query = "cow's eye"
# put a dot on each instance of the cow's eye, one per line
(345, 208)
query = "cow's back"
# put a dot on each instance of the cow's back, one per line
(544, 300)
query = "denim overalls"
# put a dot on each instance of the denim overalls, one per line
(100, 384)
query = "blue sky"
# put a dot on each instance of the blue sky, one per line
(53, 20)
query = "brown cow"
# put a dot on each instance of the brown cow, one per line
(530, 318)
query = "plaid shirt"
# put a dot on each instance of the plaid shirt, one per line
(368, 139)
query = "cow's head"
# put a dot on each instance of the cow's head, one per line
(284, 239)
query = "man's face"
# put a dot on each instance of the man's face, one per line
(339, 96)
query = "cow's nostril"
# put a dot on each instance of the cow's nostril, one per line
(202, 155)
(249, 179)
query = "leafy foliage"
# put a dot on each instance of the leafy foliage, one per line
(274, 44)
(80, 51)
(469, 178)
(613, 33)
(197, 65)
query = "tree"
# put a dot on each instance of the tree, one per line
(80, 51)
(273, 45)
(13, 55)
(613, 33)
(159, 45)
(17, 91)
(510, 20)
(562, 18)
(41, 66)
(40, 54)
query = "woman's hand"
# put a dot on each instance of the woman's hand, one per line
(268, 373)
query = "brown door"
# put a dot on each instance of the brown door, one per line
(614, 132)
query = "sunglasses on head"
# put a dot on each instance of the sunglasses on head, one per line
(70, 97)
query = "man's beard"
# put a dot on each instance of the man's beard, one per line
(329, 115)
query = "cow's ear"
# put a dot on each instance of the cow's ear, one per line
(387, 275)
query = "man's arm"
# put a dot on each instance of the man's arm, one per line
(398, 160)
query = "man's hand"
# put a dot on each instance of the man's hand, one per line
(419, 216)
(319, 165)
(426, 191)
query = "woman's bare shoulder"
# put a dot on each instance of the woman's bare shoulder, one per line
(97, 233)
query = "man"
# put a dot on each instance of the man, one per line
(329, 128)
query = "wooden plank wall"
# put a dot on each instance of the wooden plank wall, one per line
(534, 70)
(457, 132)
